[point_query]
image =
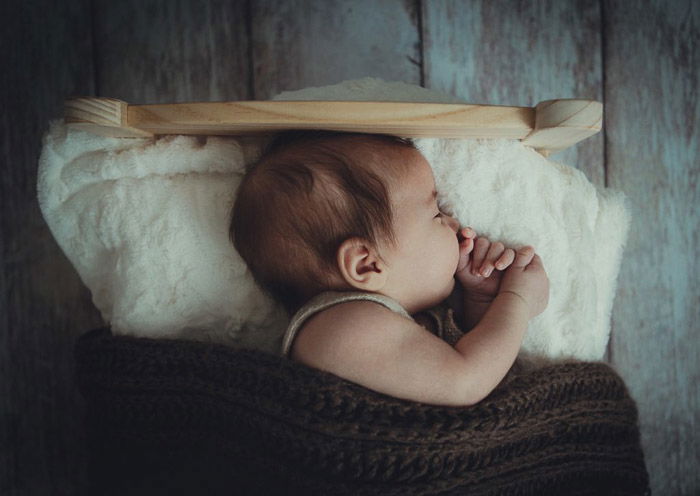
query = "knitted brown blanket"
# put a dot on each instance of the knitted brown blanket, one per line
(180, 417)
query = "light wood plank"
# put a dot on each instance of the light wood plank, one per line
(550, 126)
(45, 56)
(172, 50)
(246, 117)
(302, 43)
(652, 58)
(518, 53)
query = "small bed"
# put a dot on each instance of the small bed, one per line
(172, 409)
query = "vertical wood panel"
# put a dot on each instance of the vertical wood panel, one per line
(167, 51)
(45, 56)
(652, 61)
(502, 52)
(304, 43)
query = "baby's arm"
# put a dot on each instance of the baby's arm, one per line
(492, 346)
(493, 343)
(372, 346)
(377, 348)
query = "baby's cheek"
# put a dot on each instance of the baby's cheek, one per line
(459, 251)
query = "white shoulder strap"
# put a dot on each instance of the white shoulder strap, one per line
(328, 299)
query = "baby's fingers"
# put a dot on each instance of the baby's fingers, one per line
(466, 233)
(494, 253)
(466, 245)
(481, 248)
(524, 256)
(506, 259)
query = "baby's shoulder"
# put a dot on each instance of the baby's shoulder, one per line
(348, 327)
(366, 311)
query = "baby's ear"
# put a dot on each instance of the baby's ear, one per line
(360, 266)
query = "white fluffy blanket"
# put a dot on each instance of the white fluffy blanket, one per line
(145, 223)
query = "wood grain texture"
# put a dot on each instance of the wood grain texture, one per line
(551, 126)
(46, 55)
(652, 59)
(172, 50)
(560, 124)
(249, 117)
(101, 116)
(302, 43)
(502, 52)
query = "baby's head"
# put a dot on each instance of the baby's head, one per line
(320, 211)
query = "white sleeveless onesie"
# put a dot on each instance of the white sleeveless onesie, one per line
(328, 299)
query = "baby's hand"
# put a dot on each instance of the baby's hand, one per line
(527, 279)
(481, 263)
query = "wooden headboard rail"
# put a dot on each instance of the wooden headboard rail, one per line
(550, 126)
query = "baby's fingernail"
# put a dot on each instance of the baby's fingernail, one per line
(486, 272)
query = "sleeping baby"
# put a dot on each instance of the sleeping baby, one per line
(345, 230)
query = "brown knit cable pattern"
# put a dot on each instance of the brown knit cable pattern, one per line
(165, 412)
(440, 321)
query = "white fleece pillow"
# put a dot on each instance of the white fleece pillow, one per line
(511, 193)
(145, 223)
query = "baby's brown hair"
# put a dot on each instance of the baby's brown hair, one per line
(309, 192)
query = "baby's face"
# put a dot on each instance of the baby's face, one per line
(422, 266)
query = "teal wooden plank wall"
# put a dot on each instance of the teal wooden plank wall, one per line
(642, 59)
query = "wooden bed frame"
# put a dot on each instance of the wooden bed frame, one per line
(550, 126)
